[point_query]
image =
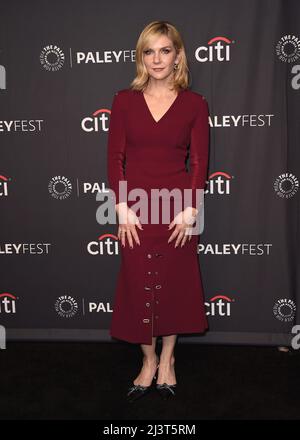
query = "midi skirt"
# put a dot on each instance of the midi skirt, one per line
(159, 290)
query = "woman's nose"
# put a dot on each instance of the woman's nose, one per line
(156, 57)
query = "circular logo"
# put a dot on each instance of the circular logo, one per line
(288, 48)
(284, 310)
(66, 306)
(60, 187)
(286, 185)
(52, 58)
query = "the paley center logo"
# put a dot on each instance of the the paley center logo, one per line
(66, 306)
(286, 185)
(60, 187)
(52, 58)
(284, 309)
(288, 48)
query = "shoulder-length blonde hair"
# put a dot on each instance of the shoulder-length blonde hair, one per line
(156, 28)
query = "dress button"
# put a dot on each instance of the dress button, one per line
(149, 256)
(146, 320)
(157, 302)
(147, 288)
(149, 273)
(156, 273)
(156, 316)
(148, 304)
(158, 286)
(158, 255)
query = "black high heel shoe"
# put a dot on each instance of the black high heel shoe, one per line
(165, 390)
(137, 391)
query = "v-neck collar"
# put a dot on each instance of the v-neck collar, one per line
(167, 111)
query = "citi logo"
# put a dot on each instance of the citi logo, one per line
(107, 244)
(7, 303)
(219, 305)
(219, 183)
(97, 122)
(4, 186)
(217, 49)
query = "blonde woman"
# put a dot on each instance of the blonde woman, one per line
(155, 126)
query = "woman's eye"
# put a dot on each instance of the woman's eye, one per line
(146, 52)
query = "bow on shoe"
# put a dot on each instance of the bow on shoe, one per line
(136, 392)
(166, 390)
(135, 388)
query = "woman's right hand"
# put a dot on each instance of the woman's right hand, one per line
(127, 220)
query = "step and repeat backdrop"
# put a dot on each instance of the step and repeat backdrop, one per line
(61, 63)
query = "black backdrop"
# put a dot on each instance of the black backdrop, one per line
(60, 64)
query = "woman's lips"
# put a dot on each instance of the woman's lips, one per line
(158, 69)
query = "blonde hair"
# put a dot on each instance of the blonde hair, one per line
(156, 28)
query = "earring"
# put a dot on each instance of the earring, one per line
(175, 66)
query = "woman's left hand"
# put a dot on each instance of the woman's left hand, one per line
(183, 221)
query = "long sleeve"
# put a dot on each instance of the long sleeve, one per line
(199, 151)
(116, 148)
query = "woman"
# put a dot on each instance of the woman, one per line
(159, 288)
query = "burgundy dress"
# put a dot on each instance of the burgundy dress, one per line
(159, 287)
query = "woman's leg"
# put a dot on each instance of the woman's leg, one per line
(150, 361)
(166, 372)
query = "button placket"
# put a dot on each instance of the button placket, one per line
(148, 289)
(156, 286)
(152, 286)
(152, 306)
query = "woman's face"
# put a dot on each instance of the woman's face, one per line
(159, 57)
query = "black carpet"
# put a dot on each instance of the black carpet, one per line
(85, 381)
